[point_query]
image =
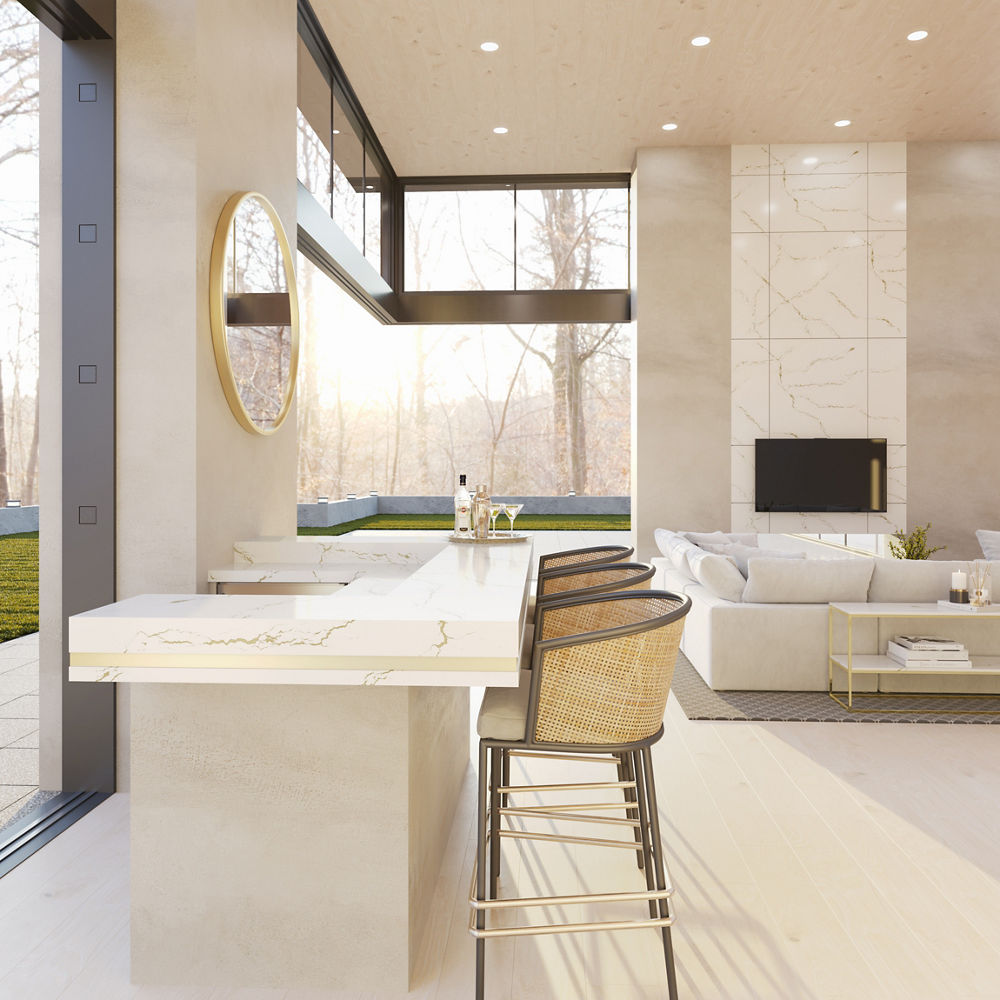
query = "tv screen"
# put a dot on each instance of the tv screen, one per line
(820, 474)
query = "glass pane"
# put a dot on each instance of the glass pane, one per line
(314, 158)
(19, 417)
(572, 238)
(373, 214)
(459, 240)
(348, 178)
(403, 409)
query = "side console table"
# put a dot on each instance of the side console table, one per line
(873, 663)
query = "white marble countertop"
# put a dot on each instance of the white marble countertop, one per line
(456, 618)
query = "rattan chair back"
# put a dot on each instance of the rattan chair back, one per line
(602, 667)
(594, 555)
(579, 581)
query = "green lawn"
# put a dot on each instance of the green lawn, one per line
(18, 584)
(19, 554)
(443, 522)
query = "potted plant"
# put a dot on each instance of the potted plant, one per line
(914, 544)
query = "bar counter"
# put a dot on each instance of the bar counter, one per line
(295, 760)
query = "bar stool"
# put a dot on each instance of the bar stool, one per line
(582, 581)
(593, 555)
(598, 682)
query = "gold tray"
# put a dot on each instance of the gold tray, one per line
(517, 536)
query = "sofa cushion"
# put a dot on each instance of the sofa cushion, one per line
(741, 554)
(704, 538)
(807, 581)
(920, 581)
(989, 542)
(717, 573)
(674, 546)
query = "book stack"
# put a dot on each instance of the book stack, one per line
(928, 652)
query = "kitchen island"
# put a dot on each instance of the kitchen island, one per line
(296, 759)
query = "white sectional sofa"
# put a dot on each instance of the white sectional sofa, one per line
(778, 639)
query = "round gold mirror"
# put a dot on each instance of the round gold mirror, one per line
(254, 312)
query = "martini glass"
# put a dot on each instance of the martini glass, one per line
(512, 510)
(495, 509)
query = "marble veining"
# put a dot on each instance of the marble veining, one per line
(887, 284)
(825, 203)
(819, 158)
(887, 389)
(750, 160)
(886, 201)
(819, 388)
(818, 285)
(455, 614)
(750, 286)
(751, 391)
(751, 206)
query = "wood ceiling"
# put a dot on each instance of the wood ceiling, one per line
(581, 84)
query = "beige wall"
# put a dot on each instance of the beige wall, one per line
(681, 373)
(953, 366)
(206, 107)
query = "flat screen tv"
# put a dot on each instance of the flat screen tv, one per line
(820, 474)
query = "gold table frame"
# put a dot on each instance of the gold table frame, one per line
(868, 664)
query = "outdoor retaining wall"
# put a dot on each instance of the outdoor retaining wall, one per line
(15, 519)
(324, 515)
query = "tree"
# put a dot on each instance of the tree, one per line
(18, 246)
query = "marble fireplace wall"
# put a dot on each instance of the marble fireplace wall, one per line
(818, 313)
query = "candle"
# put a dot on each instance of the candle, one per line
(958, 581)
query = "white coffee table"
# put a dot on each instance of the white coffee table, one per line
(857, 664)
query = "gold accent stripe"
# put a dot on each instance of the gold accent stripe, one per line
(254, 661)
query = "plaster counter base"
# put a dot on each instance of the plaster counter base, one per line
(289, 836)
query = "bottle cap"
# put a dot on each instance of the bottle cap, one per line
(461, 479)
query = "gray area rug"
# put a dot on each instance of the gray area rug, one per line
(700, 702)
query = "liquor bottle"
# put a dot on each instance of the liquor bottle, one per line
(463, 509)
(481, 512)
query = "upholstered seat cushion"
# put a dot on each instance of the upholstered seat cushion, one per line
(503, 714)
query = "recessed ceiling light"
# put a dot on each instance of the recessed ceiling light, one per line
(843, 122)
(336, 131)
(369, 187)
(916, 36)
(500, 130)
(700, 40)
(490, 46)
(669, 127)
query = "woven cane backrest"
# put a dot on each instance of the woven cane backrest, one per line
(587, 616)
(612, 690)
(595, 555)
(607, 577)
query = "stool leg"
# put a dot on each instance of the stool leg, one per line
(495, 770)
(481, 874)
(661, 878)
(647, 847)
(626, 772)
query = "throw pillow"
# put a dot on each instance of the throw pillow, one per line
(989, 542)
(675, 547)
(706, 537)
(741, 554)
(807, 581)
(718, 574)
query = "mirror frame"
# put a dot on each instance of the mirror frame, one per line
(217, 312)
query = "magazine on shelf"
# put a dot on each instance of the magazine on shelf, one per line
(907, 655)
(936, 664)
(935, 642)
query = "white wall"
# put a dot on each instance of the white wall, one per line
(818, 313)
(206, 107)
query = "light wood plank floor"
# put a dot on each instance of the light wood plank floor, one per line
(811, 860)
